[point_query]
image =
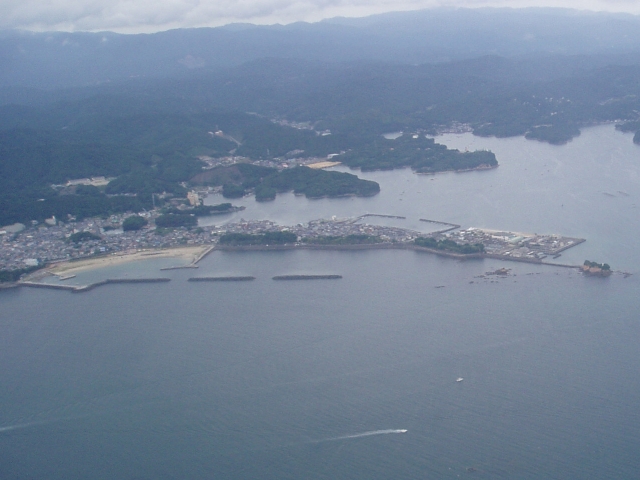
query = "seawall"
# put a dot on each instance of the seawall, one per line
(307, 277)
(91, 286)
(221, 279)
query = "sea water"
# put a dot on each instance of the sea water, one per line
(320, 379)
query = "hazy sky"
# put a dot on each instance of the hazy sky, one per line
(130, 16)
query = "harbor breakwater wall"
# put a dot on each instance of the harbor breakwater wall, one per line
(91, 286)
(450, 226)
(221, 279)
(307, 277)
(193, 264)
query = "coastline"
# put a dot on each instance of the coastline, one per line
(195, 253)
(190, 255)
(461, 170)
(392, 246)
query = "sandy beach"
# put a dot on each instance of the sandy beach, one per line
(183, 255)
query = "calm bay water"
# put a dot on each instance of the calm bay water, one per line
(281, 380)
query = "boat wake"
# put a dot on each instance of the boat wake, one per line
(365, 434)
(20, 426)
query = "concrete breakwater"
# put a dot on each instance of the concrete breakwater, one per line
(193, 264)
(450, 226)
(203, 254)
(48, 285)
(380, 215)
(221, 279)
(306, 277)
(577, 241)
(91, 286)
(179, 267)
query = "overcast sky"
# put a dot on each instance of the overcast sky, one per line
(133, 16)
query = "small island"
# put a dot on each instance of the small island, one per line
(596, 269)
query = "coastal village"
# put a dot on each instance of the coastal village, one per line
(47, 243)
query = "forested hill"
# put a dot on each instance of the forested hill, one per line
(546, 98)
(268, 105)
(53, 60)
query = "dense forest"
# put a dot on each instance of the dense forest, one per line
(449, 245)
(14, 275)
(239, 179)
(354, 239)
(80, 237)
(148, 134)
(175, 220)
(267, 238)
(415, 151)
(133, 223)
(203, 210)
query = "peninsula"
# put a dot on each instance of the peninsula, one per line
(50, 248)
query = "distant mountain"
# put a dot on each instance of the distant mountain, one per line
(54, 60)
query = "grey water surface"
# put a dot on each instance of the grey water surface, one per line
(320, 379)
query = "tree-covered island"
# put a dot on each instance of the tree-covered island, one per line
(596, 269)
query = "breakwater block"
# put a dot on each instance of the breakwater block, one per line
(108, 281)
(221, 279)
(306, 277)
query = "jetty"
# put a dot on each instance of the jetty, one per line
(193, 264)
(306, 277)
(91, 286)
(380, 215)
(222, 279)
(180, 267)
(53, 286)
(450, 226)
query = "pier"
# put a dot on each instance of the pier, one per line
(380, 215)
(193, 264)
(222, 279)
(306, 277)
(180, 267)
